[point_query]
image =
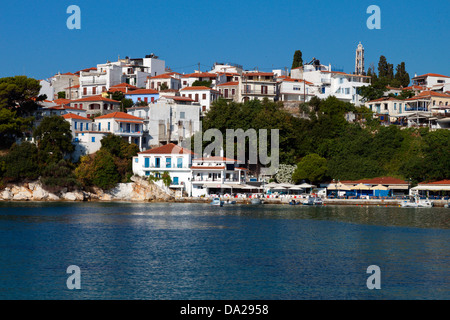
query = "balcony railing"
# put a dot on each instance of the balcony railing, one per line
(92, 83)
(258, 92)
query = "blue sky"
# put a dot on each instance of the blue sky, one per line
(256, 34)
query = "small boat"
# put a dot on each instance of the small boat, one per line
(313, 201)
(416, 202)
(257, 201)
(318, 202)
(229, 202)
(294, 203)
(217, 202)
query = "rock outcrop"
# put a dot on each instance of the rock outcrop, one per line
(137, 190)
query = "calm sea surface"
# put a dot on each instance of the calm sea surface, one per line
(197, 251)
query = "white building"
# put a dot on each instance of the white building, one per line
(95, 81)
(226, 68)
(216, 175)
(387, 105)
(96, 104)
(87, 142)
(257, 85)
(290, 89)
(125, 125)
(203, 95)
(169, 158)
(432, 81)
(59, 82)
(170, 119)
(187, 80)
(327, 83)
(47, 89)
(171, 79)
(229, 90)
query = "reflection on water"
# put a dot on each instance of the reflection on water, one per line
(199, 251)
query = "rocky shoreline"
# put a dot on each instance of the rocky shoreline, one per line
(139, 190)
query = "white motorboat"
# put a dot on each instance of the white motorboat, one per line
(257, 201)
(416, 202)
(313, 201)
(217, 202)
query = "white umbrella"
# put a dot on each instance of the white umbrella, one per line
(306, 185)
(379, 187)
(361, 186)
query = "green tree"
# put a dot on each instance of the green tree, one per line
(105, 175)
(54, 139)
(297, 61)
(204, 83)
(61, 95)
(21, 163)
(116, 95)
(163, 86)
(401, 75)
(59, 175)
(12, 127)
(383, 68)
(312, 168)
(126, 103)
(21, 94)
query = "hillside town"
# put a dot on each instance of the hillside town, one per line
(147, 104)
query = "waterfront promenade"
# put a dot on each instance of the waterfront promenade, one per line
(344, 202)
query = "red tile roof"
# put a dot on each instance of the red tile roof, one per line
(446, 181)
(384, 99)
(62, 101)
(231, 83)
(142, 91)
(429, 94)
(73, 87)
(414, 87)
(200, 75)
(177, 98)
(296, 80)
(119, 115)
(75, 116)
(165, 75)
(170, 148)
(124, 85)
(267, 74)
(379, 180)
(198, 88)
(95, 98)
(431, 75)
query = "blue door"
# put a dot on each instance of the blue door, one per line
(175, 180)
(147, 162)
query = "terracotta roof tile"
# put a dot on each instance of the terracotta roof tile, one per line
(75, 116)
(119, 115)
(95, 98)
(170, 148)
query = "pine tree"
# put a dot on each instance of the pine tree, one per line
(298, 60)
(401, 75)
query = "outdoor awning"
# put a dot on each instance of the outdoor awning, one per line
(306, 185)
(296, 188)
(379, 187)
(432, 188)
(216, 185)
(247, 187)
(271, 185)
(398, 187)
(338, 186)
(361, 186)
